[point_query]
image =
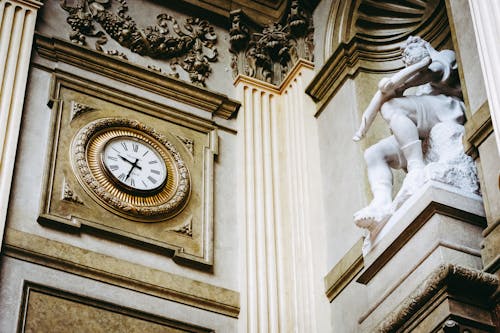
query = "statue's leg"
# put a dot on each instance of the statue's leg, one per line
(401, 115)
(379, 159)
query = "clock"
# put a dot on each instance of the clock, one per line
(131, 169)
(134, 165)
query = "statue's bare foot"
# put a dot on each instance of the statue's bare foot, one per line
(372, 216)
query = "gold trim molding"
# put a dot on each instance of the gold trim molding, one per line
(478, 128)
(344, 271)
(56, 49)
(100, 267)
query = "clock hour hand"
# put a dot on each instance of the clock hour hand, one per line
(134, 164)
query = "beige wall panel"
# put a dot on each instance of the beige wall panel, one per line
(15, 273)
(343, 184)
(50, 313)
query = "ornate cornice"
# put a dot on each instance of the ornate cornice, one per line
(449, 275)
(270, 53)
(57, 49)
(366, 35)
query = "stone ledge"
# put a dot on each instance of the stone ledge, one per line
(433, 198)
(64, 257)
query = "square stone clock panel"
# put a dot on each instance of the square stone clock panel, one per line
(132, 168)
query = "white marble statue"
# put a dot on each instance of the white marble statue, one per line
(432, 117)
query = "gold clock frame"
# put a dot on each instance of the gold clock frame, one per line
(86, 151)
(123, 185)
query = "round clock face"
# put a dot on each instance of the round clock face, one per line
(134, 164)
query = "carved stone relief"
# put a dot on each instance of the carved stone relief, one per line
(190, 48)
(188, 143)
(269, 54)
(185, 229)
(69, 195)
(78, 108)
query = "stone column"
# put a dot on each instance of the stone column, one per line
(17, 26)
(485, 16)
(258, 164)
(280, 203)
(303, 206)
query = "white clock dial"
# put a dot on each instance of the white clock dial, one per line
(134, 164)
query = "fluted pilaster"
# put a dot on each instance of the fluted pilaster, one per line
(485, 16)
(17, 26)
(279, 201)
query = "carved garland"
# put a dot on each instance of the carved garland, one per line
(151, 207)
(191, 48)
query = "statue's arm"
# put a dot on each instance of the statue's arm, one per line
(413, 75)
(410, 76)
(369, 115)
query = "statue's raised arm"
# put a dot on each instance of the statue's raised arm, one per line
(388, 88)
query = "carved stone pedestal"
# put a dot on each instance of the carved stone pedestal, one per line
(424, 266)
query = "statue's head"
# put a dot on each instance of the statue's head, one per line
(414, 50)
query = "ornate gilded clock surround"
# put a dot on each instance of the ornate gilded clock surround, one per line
(86, 149)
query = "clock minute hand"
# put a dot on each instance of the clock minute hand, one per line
(134, 164)
(132, 168)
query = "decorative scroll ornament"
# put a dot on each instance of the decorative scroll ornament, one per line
(191, 48)
(69, 195)
(78, 109)
(185, 229)
(269, 54)
(188, 143)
